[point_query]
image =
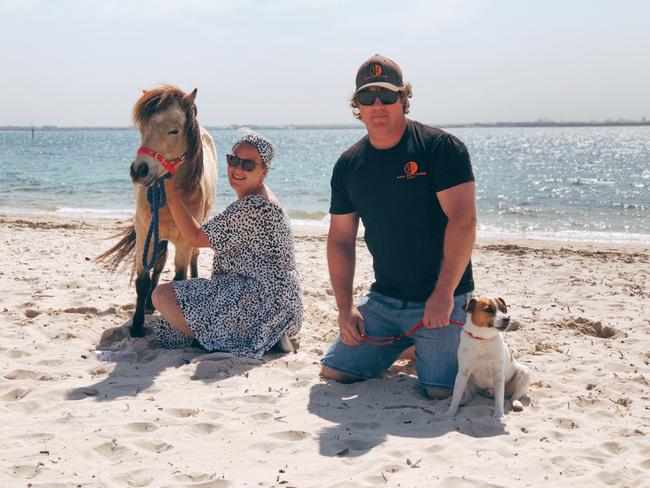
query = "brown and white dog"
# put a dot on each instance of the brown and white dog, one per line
(484, 361)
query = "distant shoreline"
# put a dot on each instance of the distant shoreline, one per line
(624, 123)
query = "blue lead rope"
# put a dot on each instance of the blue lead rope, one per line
(157, 199)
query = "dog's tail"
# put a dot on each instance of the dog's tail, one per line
(114, 259)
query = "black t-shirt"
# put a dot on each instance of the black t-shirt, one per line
(394, 193)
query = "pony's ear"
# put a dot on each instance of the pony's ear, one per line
(188, 99)
(144, 91)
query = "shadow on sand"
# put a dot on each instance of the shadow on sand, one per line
(128, 379)
(366, 413)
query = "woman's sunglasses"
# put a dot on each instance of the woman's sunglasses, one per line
(386, 97)
(246, 164)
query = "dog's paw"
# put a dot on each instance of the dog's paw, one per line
(451, 412)
(517, 406)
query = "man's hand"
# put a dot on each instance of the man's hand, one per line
(351, 327)
(437, 310)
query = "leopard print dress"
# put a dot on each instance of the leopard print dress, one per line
(253, 296)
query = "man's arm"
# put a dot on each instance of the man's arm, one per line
(341, 260)
(459, 205)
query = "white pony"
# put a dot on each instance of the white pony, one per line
(170, 135)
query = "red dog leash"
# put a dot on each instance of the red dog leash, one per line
(385, 341)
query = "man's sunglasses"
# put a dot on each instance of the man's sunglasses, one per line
(246, 164)
(386, 97)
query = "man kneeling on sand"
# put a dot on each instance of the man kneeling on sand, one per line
(412, 186)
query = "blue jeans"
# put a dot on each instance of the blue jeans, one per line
(436, 350)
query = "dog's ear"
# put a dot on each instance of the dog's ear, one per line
(470, 306)
(502, 305)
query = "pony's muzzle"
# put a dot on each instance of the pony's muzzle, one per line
(139, 171)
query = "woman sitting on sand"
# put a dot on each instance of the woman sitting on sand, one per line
(253, 297)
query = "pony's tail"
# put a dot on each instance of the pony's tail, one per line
(113, 259)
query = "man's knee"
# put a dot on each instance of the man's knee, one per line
(330, 374)
(438, 393)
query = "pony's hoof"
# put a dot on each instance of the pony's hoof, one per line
(517, 406)
(137, 331)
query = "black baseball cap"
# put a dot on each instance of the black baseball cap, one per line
(379, 71)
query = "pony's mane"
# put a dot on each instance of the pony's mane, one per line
(158, 100)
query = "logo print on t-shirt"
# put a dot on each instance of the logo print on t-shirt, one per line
(411, 171)
(411, 168)
(375, 69)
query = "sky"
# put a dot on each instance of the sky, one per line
(85, 63)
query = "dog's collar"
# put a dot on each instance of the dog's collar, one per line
(474, 336)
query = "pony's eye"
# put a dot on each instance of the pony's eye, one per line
(173, 132)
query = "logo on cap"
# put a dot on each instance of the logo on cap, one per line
(375, 70)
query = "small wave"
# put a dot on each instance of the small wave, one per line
(590, 182)
(628, 206)
(101, 213)
(593, 237)
(72, 212)
(304, 215)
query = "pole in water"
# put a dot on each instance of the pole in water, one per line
(32, 133)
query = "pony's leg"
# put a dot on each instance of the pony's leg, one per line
(143, 289)
(161, 259)
(194, 268)
(181, 261)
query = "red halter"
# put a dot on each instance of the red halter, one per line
(169, 165)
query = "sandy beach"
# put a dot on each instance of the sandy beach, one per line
(187, 418)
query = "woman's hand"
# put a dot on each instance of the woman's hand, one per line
(189, 227)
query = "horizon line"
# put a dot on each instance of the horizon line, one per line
(289, 126)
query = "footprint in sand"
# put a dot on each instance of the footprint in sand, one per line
(82, 310)
(113, 335)
(269, 399)
(66, 336)
(565, 423)
(156, 447)
(27, 471)
(112, 450)
(138, 477)
(261, 416)
(614, 447)
(436, 448)
(203, 428)
(50, 362)
(26, 374)
(201, 480)
(17, 353)
(16, 394)
(291, 435)
(183, 412)
(141, 427)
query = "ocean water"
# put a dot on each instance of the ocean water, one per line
(578, 183)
